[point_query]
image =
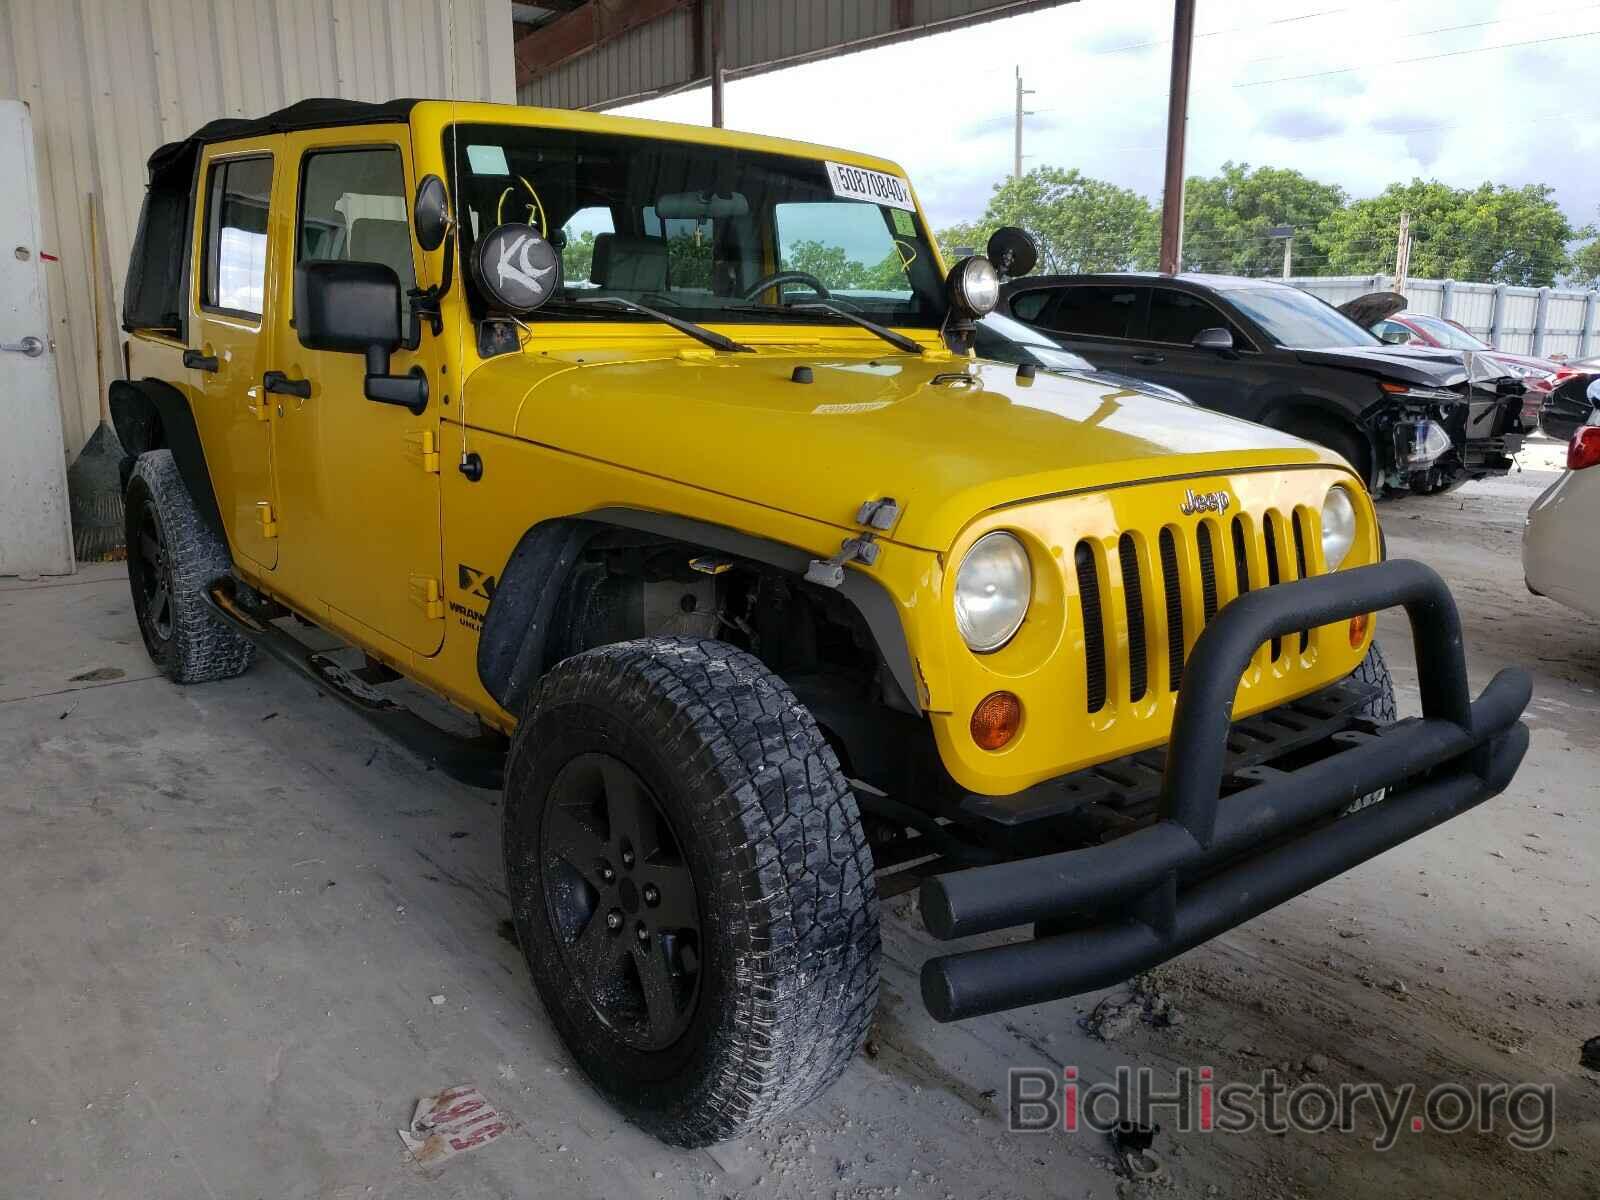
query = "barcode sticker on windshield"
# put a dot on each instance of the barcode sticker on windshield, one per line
(878, 187)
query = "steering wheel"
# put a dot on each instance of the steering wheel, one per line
(777, 277)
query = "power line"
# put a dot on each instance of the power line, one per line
(1399, 62)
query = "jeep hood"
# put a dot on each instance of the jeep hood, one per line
(948, 438)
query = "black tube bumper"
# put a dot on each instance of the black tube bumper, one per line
(1211, 863)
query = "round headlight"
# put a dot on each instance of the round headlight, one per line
(993, 588)
(1338, 526)
(975, 285)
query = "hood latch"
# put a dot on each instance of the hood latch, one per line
(874, 515)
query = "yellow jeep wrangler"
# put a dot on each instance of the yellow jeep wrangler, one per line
(661, 454)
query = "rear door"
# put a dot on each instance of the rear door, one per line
(233, 301)
(35, 537)
(1208, 377)
(1097, 320)
(359, 481)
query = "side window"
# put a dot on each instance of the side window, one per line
(1095, 311)
(353, 207)
(1029, 305)
(1392, 332)
(1175, 317)
(577, 254)
(237, 192)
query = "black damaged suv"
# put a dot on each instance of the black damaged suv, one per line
(1408, 418)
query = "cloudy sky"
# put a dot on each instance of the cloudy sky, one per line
(1358, 93)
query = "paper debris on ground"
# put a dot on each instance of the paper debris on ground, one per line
(456, 1120)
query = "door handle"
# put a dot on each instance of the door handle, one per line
(30, 345)
(196, 361)
(277, 381)
(1150, 360)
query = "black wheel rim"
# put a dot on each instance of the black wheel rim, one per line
(154, 573)
(621, 901)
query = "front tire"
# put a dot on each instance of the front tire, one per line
(1379, 708)
(172, 558)
(691, 885)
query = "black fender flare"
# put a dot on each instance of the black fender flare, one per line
(150, 414)
(516, 627)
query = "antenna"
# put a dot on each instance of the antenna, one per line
(455, 242)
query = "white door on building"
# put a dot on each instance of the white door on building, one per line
(35, 532)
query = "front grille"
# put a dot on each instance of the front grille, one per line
(1197, 568)
(1094, 637)
(1173, 586)
(1138, 659)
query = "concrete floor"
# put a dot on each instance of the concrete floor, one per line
(229, 906)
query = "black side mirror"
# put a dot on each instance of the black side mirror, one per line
(354, 308)
(1012, 251)
(1215, 338)
(430, 213)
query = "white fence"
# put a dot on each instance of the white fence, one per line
(1548, 322)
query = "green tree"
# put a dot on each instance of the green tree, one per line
(1585, 270)
(576, 258)
(1491, 233)
(1226, 217)
(838, 272)
(1081, 224)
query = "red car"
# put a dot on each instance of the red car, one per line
(1422, 329)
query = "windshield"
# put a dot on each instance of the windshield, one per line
(1298, 321)
(1447, 334)
(698, 231)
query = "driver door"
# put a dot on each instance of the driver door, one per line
(358, 480)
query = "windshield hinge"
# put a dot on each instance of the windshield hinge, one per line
(829, 572)
(425, 304)
(423, 448)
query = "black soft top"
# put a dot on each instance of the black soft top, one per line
(152, 297)
(317, 113)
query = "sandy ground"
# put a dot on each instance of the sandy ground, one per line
(229, 908)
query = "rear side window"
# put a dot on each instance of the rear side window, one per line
(1094, 311)
(237, 193)
(1029, 305)
(1176, 317)
(353, 207)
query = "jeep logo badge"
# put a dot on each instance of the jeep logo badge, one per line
(1199, 502)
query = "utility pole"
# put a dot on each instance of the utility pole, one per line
(1177, 119)
(716, 63)
(1402, 254)
(1016, 168)
(1286, 234)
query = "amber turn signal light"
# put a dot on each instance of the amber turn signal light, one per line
(996, 719)
(1358, 628)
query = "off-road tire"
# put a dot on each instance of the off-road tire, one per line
(1380, 708)
(186, 640)
(1374, 669)
(783, 877)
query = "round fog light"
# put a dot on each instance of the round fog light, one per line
(996, 719)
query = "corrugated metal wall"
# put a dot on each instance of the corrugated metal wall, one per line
(757, 35)
(1518, 320)
(110, 80)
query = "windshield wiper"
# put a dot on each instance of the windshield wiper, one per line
(898, 340)
(700, 333)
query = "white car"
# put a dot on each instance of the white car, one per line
(1561, 543)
